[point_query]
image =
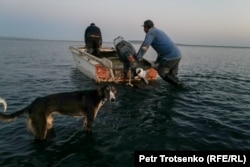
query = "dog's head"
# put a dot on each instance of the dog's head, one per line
(141, 74)
(108, 93)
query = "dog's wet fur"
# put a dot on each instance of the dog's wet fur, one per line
(84, 103)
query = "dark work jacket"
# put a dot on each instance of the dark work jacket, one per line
(92, 30)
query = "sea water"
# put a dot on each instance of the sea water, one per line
(211, 113)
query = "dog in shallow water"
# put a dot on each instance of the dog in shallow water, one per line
(79, 103)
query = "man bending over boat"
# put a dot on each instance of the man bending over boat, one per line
(93, 39)
(169, 55)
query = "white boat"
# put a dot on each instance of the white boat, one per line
(107, 67)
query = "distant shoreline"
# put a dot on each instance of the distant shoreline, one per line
(197, 45)
(132, 41)
(246, 47)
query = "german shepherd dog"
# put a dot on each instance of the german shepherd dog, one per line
(79, 103)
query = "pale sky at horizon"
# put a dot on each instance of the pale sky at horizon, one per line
(201, 22)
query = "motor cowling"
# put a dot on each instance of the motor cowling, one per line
(126, 52)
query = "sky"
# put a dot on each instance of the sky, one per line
(196, 22)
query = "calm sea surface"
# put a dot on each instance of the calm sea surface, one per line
(211, 113)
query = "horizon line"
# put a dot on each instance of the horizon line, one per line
(132, 41)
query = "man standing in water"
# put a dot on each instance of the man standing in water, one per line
(93, 39)
(168, 54)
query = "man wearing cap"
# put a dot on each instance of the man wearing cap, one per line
(168, 54)
(93, 39)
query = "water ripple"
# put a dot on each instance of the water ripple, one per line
(210, 113)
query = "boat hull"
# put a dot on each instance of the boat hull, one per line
(107, 68)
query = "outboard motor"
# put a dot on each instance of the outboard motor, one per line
(126, 52)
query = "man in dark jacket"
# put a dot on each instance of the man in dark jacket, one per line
(93, 39)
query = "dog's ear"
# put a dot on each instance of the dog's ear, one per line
(139, 71)
(100, 91)
(113, 89)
